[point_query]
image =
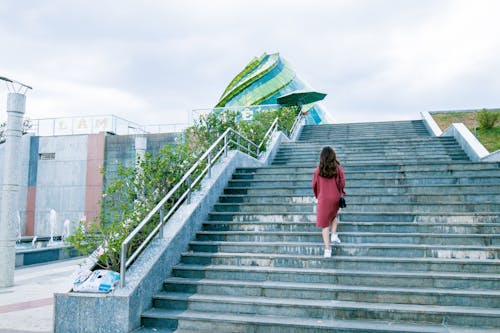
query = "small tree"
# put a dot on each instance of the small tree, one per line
(487, 119)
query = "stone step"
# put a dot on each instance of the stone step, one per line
(375, 155)
(360, 207)
(408, 279)
(305, 189)
(319, 291)
(352, 137)
(483, 217)
(383, 167)
(370, 145)
(444, 180)
(345, 226)
(376, 160)
(360, 199)
(380, 140)
(327, 309)
(376, 174)
(374, 127)
(384, 264)
(342, 135)
(353, 237)
(349, 249)
(371, 150)
(189, 321)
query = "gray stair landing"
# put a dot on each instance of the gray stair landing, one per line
(420, 245)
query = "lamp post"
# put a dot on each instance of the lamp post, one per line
(16, 103)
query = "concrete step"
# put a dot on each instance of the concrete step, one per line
(305, 189)
(440, 180)
(360, 199)
(353, 237)
(362, 263)
(482, 217)
(384, 167)
(376, 174)
(379, 140)
(327, 309)
(370, 145)
(342, 135)
(346, 226)
(360, 207)
(374, 161)
(349, 249)
(318, 291)
(409, 279)
(189, 321)
(307, 152)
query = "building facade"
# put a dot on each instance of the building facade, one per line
(262, 81)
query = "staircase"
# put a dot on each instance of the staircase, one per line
(420, 245)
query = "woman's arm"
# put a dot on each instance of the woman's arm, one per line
(315, 184)
(342, 180)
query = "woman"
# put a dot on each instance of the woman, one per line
(328, 186)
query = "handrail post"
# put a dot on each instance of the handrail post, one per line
(225, 146)
(209, 166)
(188, 181)
(123, 260)
(249, 152)
(162, 216)
(239, 145)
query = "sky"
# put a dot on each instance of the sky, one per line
(152, 62)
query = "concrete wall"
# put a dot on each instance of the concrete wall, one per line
(121, 149)
(71, 183)
(60, 182)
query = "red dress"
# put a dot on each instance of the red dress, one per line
(328, 195)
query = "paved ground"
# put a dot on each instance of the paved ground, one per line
(28, 306)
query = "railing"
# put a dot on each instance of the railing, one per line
(295, 125)
(210, 156)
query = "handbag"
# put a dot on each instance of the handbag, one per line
(342, 202)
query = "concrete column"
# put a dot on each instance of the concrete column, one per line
(10, 189)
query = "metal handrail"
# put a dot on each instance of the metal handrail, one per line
(251, 149)
(295, 125)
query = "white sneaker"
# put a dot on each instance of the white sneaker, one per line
(334, 238)
(328, 253)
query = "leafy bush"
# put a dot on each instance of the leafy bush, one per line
(136, 191)
(487, 119)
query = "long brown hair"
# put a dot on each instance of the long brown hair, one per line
(328, 162)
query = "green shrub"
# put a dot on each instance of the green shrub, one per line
(487, 119)
(136, 191)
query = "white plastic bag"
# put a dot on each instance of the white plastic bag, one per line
(100, 281)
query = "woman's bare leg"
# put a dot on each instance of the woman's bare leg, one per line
(325, 232)
(334, 224)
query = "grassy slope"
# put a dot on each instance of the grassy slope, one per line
(489, 138)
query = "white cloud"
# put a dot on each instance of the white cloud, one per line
(154, 61)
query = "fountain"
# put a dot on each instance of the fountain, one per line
(65, 233)
(33, 241)
(32, 250)
(52, 223)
